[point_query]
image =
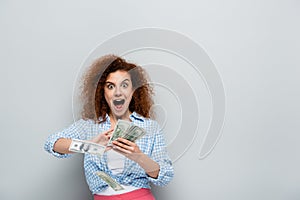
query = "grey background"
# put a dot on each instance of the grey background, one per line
(254, 45)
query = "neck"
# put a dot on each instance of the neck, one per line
(114, 118)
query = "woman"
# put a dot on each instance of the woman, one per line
(114, 89)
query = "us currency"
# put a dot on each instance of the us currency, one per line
(110, 181)
(119, 130)
(83, 146)
(134, 133)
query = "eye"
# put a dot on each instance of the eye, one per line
(110, 86)
(124, 85)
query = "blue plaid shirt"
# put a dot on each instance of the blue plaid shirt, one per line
(151, 144)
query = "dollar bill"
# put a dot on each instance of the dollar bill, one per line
(134, 133)
(119, 130)
(110, 181)
(126, 130)
(83, 146)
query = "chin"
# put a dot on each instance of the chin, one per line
(119, 114)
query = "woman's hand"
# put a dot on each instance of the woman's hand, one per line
(133, 152)
(127, 148)
(103, 138)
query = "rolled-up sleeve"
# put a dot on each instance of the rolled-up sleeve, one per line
(160, 155)
(75, 131)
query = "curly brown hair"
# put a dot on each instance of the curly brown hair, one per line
(95, 106)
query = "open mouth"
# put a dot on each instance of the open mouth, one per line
(119, 102)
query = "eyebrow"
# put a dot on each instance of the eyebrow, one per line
(113, 83)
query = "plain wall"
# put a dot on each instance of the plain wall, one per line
(254, 45)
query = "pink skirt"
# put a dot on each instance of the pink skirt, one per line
(140, 194)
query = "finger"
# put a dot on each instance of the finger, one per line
(108, 148)
(129, 143)
(105, 133)
(109, 131)
(121, 150)
(122, 145)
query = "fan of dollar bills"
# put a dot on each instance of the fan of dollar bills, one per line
(125, 129)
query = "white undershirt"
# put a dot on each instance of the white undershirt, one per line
(115, 162)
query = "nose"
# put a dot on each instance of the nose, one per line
(117, 92)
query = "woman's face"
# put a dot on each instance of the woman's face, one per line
(118, 93)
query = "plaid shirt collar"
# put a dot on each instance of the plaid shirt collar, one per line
(133, 117)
